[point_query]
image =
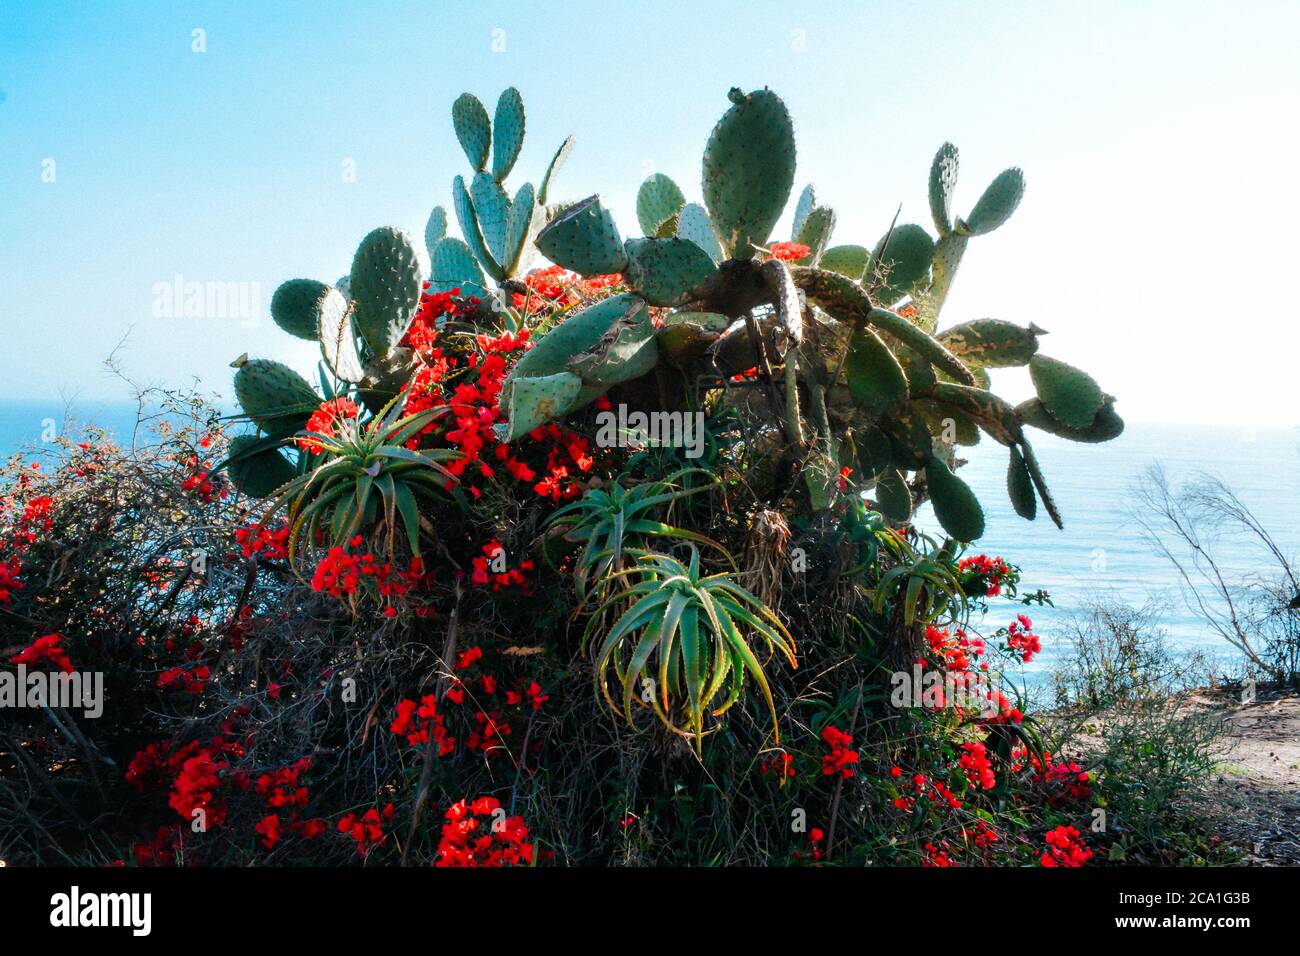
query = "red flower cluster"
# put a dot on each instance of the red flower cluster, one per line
(430, 725)
(161, 850)
(367, 830)
(197, 784)
(982, 835)
(979, 769)
(192, 772)
(485, 572)
(990, 573)
(780, 764)
(938, 855)
(192, 681)
(325, 421)
(789, 251)
(934, 789)
(434, 309)
(958, 651)
(569, 456)
(9, 580)
(554, 287)
(286, 794)
(35, 517)
(1022, 640)
(263, 542)
(480, 834)
(1067, 781)
(45, 649)
(340, 573)
(1064, 848)
(841, 759)
(200, 482)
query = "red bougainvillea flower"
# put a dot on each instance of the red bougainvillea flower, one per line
(367, 830)
(421, 722)
(325, 421)
(841, 759)
(1022, 640)
(990, 571)
(938, 855)
(780, 764)
(341, 572)
(269, 829)
(479, 834)
(1064, 848)
(789, 251)
(979, 769)
(9, 580)
(254, 540)
(185, 680)
(200, 482)
(161, 850)
(45, 650)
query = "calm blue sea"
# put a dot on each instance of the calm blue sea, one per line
(1100, 552)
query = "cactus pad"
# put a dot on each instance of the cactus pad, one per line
(508, 133)
(749, 170)
(538, 400)
(337, 335)
(385, 286)
(694, 224)
(666, 271)
(294, 306)
(992, 343)
(893, 496)
(876, 379)
(584, 238)
(557, 161)
(473, 129)
(260, 473)
(955, 505)
(997, 204)
(467, 216)
(491, 208)
(1020, 487)
(274, 396)
(1068, 394)
(522, 222)
(816, 234)
(848, 261)
(901, 262)
(1106, 425)
(943, 180)
(802, 210)
(454, 267)
(435, 230)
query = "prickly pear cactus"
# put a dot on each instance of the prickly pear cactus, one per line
(277, 399)
(854, 370)
(873, 385)
(578, 361)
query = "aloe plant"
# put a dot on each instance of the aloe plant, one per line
(690, 635)
(368, 473)
(604, 520)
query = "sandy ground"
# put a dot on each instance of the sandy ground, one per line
(1254, 797)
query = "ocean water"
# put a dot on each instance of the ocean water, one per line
(1100, 553)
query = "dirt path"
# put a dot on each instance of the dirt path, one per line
(1254, 797)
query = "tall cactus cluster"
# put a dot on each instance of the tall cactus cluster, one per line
(866, 380)
(853, 367)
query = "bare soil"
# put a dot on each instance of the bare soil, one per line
(1253, 800)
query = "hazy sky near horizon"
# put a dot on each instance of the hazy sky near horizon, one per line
(1158, 140)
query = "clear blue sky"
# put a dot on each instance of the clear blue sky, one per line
(1156, 240)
